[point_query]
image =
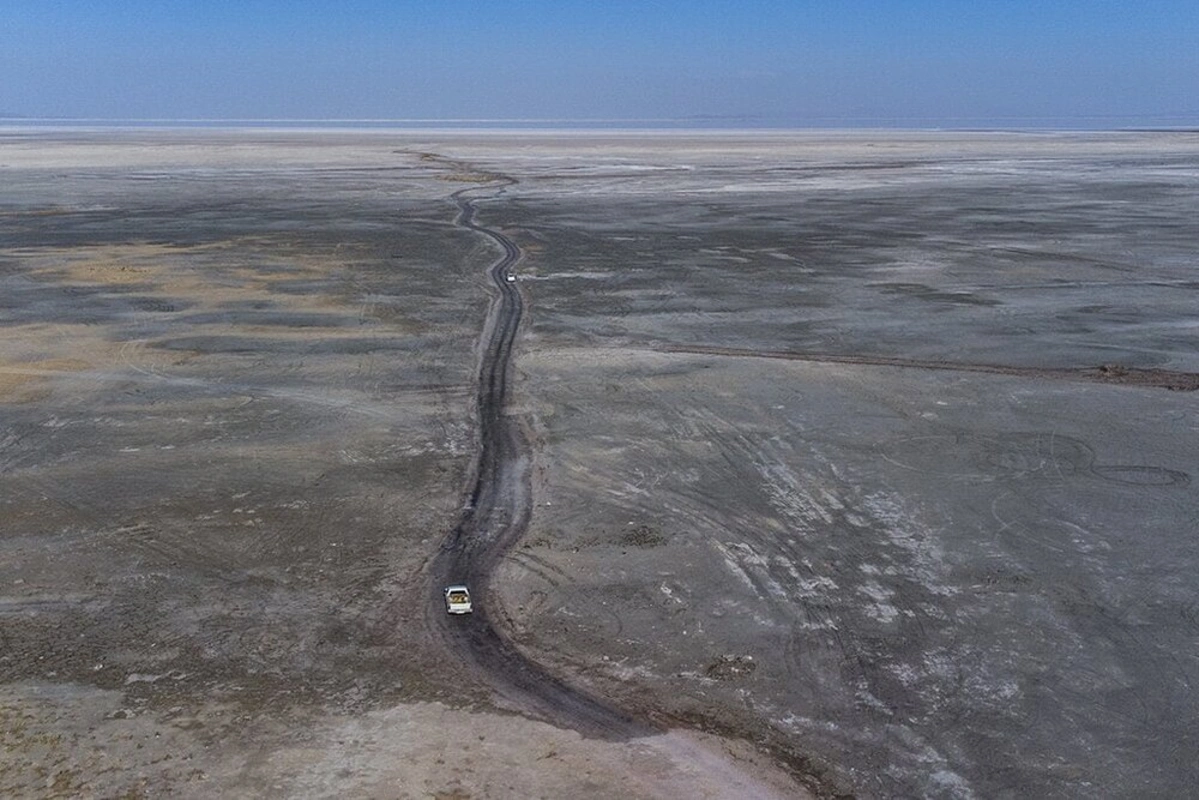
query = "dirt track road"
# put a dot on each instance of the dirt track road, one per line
(495, 516)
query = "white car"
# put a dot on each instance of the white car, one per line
(511, 279)
(457, 600)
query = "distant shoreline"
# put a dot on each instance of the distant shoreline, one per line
(1164, 123)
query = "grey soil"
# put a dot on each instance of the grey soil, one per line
(851, 458)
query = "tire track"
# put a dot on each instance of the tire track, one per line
(1105, 373)
(495, 516)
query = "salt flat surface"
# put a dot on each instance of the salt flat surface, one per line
(236, 390)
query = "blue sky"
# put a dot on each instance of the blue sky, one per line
(802, 62)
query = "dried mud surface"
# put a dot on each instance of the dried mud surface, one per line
(856, 452)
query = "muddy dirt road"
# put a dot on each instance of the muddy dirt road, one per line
(496, 516)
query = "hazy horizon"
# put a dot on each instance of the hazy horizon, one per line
(761, 63)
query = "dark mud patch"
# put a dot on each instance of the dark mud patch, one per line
(1154, 378)
(922, 292)
(1142, 475)
(727, 668)
(248, 344)
(1107, 373)
(643, 536)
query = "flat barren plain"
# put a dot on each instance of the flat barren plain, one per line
(840, 463)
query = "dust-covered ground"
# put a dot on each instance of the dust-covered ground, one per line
(236, 422)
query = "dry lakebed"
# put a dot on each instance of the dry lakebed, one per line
(822, 464)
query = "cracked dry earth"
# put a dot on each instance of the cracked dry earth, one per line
(830, 479)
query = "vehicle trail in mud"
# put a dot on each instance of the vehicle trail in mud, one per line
(1106, 373)
(496, 514)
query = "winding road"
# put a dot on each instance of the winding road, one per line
(495, 517)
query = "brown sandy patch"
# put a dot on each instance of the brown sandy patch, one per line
(199, 278)
(25, 382)
(265, 264)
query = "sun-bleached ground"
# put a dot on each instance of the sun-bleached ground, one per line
(235, 422)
